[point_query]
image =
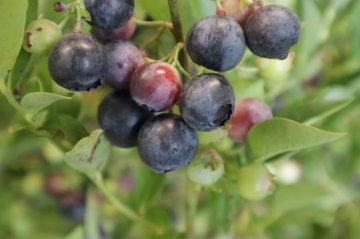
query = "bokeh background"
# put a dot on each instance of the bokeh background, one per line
(318, 191)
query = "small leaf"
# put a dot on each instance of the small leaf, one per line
(90, 153)
(12, 18)
(277, 136)
(40, 100)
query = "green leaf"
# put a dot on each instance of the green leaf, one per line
(23, 58)
(90, 154)
(40, 100)
(12, 18)
(277, 136)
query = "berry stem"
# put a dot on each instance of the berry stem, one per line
(166, 24)
(175, 56)
(78, 27)
(120, 206)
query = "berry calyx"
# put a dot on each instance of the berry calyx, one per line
(109, 14)
(40, 36)
(78, 62)
(216, 42)
(207, 101)
(166, 143)
(271, 31)
(121, 119)
(247, 113)
(156, 86)
(123, 58)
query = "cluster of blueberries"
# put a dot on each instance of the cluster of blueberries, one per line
(128, 115)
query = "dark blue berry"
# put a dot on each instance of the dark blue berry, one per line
(121, 119)
(271, 31)
(216, 42)
(207, 101)
(110, 14)
(78, 62)
(166, 143)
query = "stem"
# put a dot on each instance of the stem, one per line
(183, 71)
(152, 23)
(120, 206)
(78, 27)
(175, 17)
(175, 57)
(177, 30)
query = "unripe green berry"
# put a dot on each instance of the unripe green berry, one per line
(40, 36)
(207, 168)
(255, 182)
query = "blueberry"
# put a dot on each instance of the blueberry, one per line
(110, 14)
(216, 42)
(78, 62)
(123, 58)
(166, 143)
(121, 119)
(207, 102)
(271, 31)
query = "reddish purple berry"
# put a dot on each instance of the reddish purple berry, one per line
(59, 6)
(156, 86)
(247, 113)
(124, 58)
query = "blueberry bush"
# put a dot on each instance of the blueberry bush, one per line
(179, 119)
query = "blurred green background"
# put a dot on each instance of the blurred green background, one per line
(318, 191)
